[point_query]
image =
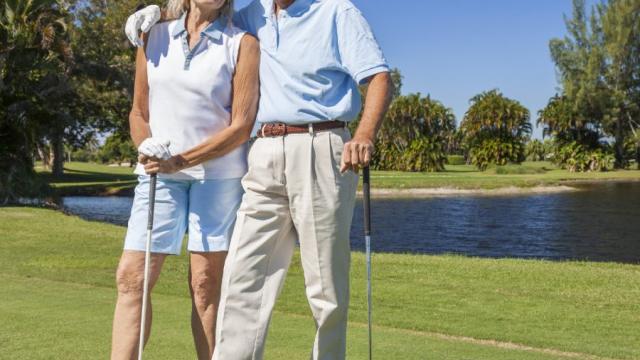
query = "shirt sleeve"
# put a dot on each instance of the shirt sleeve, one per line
(240, 19)
(360, 53)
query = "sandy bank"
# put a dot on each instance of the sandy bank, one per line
(451, 192)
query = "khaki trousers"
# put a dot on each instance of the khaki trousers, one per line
(293, 191)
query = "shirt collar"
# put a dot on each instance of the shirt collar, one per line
(298, 7)
(213, 31)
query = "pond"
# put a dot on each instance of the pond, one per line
(600, 223)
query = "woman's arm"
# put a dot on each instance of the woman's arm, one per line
(246, 93)
(139, 115)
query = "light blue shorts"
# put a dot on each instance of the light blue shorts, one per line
(206, 208)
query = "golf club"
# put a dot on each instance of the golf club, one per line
(366, 185)
(147, 263)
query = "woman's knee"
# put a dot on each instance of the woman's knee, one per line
(129, 280)
(205, 288)
(130, 275)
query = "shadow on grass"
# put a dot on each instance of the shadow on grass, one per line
(83, 176)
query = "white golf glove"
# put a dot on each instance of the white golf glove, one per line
(141, 20)
(155, 147)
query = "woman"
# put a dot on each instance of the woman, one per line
(195, 102)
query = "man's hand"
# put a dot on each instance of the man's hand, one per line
(357, 153)
(169, 166)
(141, 20)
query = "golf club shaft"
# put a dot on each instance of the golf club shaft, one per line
(366, 187)
(147, 264)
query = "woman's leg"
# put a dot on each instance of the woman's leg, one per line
(126, 321)
(212, 213)
(205, 276)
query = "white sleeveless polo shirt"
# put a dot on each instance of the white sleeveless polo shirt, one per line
(190, 93)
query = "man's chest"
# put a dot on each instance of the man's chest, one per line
(299, 43)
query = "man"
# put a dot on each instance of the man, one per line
(303, 167)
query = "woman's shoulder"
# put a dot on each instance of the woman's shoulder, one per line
(163, 28)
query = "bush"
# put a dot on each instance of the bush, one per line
(496, 152)
(414, 135)
(495, 130)
(578, 158)
(536, 150)
(456, 160)
(519, 170)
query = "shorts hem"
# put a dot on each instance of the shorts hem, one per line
(153, 251)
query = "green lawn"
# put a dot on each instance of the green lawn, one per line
(528, 174)
(57, 295)
(92, 179)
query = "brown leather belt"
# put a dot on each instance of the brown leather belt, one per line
(280, 129)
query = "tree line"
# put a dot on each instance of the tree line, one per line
(66, 80)
(592, 124)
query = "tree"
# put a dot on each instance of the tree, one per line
(414, 135)
(35, 61)
(536, 150)
(118, 149)
(621, 37)
(105, 62)
(560, 122)
(495, 130)
(599, 70)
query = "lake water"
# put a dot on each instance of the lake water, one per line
(600, 223)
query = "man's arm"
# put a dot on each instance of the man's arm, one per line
(363, 59)
(357, 152)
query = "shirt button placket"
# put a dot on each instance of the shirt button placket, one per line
(188, 54)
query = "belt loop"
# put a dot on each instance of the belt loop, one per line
(262, 129)
(311, 131)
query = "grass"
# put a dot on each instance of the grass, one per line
(91, 179)
(529, 174)
(57, 296)
(95, 179)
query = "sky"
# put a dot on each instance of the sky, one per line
(455, 49)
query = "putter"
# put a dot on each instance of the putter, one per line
(366, 185)
(147, 263)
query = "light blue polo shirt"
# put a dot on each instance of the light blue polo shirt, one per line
(314, 55)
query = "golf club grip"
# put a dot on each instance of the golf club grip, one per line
(152, 199)
(366, 200)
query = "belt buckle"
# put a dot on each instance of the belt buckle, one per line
(279, 129)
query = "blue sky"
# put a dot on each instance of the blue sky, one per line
(454, 49)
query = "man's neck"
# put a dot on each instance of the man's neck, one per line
(282, 4)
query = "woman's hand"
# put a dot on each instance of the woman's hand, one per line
(159, 166)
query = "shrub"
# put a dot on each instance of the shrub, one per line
(456, 160)
(414, 135)
(495, 130)
(535, 150)
(578, 158)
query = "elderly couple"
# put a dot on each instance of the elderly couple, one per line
(204, 76)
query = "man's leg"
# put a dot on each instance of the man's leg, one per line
(322, 209)
(261, 248)
(205, 278)
(126, 321)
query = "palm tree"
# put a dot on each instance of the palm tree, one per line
(495, 130)
(35, 60)
(560, 122)
(415, 135)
